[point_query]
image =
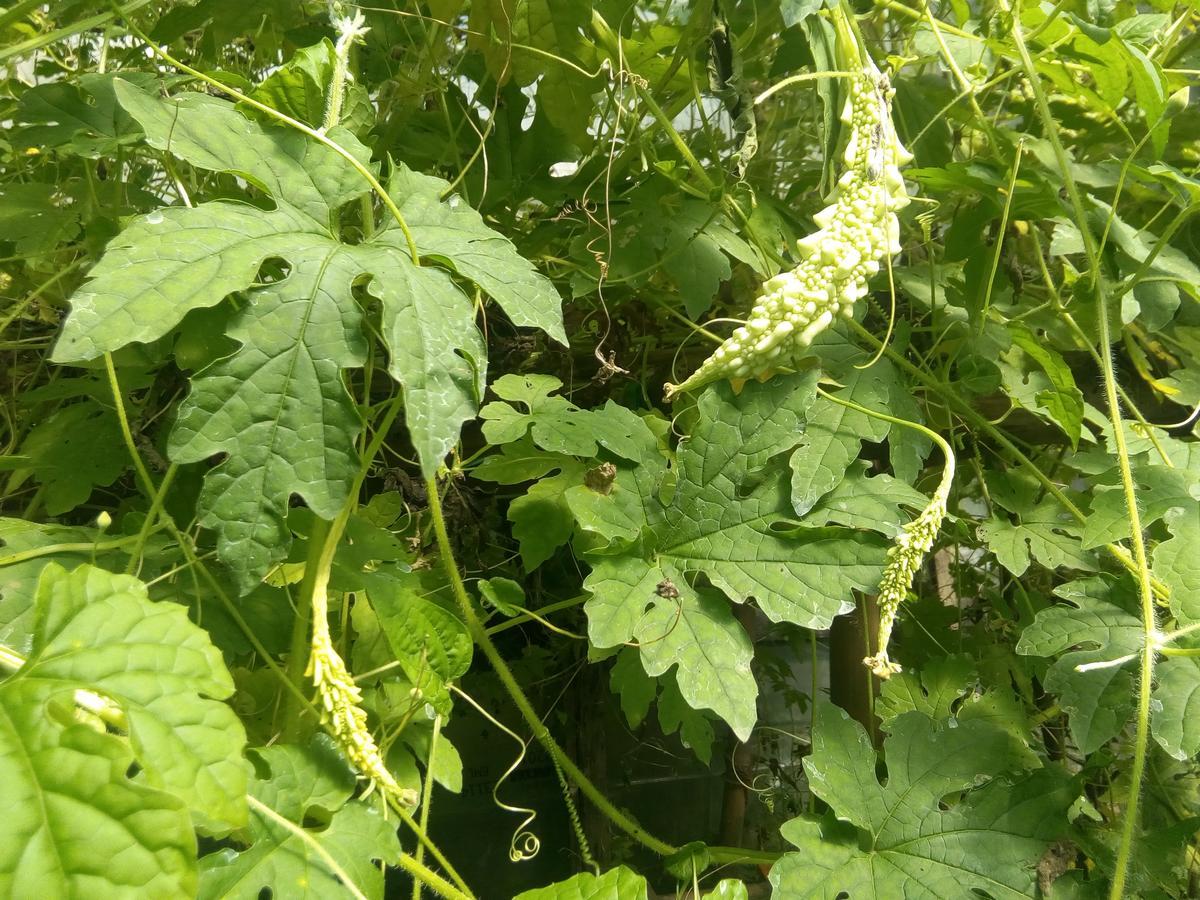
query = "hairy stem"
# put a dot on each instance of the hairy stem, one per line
(1141, 564)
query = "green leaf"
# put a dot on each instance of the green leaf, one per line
(677, 714)
(728, 889)
(35, 217)
(1174, 562)
(303, 785)
(1175, 707)
(635, 688)
(279, 413)
(454, 233)
(833, 436)
(516, 462)
(75, 823)
(615, 884)
(1159, 489)
(541, 518)
(1063, 402)
(75, 450)
(729, 519)
(947, 687)
(68, 546)
(1097, 624)
(430, 642)
(867, 502)
(1045, 532)
(277, 407)
(556, 424)
(436, 352)
(160, 669)
(899, 839)
(544, 24)
(934, 691)
(81, 118)
(506, 596)
(300, 87)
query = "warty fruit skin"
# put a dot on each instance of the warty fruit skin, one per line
(857, 232)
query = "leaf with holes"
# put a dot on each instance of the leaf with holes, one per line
(277, 409)
(76, 822)
(310, 789)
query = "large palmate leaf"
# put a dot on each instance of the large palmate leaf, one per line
(1159, 489)
(1045, 533)
(1101, 631)
(277, 408)
(304, 785)
(948, 688)
(899, 839)
(75, 823)
(730, 519)
(1098, 624)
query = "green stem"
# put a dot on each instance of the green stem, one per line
(51, 549)
(1149, 619)
(435, 883)
(797, 79)
(1142, 567)
(427, 798)
(544, 611)
(1179, 651)
(298, 649)
(520, 700)
(148, 523)
(424, 841)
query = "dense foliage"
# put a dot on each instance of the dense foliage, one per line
(587, 448)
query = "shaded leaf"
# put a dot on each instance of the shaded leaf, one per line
(1096, 625)
(729, 519)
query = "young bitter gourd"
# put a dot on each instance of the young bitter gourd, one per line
(857, 232)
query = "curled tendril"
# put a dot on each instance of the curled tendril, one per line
(524, 844)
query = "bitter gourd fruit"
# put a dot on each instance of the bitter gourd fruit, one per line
(857, 232)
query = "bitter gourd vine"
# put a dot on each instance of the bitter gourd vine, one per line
(858, 231)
